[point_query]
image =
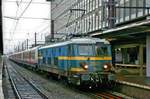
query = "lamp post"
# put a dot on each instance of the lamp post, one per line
(51, 21)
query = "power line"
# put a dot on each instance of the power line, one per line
(44, 28)
(11, 33)
(41, 24)
(25, 9)
(27, 2)
(14, 18)
(21, 15)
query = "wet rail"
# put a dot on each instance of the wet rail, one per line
(106, 95)
(22, 87)
(98, 94)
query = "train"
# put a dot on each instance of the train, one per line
(79, 61)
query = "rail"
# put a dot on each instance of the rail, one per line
(106, 95)
(18, 96)
(17, 90)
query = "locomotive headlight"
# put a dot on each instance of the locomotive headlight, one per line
(86, 66)
(105, 66)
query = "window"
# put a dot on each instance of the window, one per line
(85, 50)
(55, 61)
(101, 51)
(33, 55)
(44, 60)
(49, 60)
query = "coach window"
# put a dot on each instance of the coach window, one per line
(32, 55)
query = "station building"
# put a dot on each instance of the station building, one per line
(125, 23)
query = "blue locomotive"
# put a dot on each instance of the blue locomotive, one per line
(78, 60)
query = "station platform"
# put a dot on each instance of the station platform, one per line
(134, 86)
(137, 81)
(1, 89)
(129, 74)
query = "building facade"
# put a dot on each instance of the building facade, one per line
(124, 22)
(89, 16)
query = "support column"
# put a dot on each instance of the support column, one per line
(125, 55)
(141, 59)
(148, 55)
(113, 55)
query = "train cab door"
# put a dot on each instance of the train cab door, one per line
(70, 54)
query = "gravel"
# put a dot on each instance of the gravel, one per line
(53, 89)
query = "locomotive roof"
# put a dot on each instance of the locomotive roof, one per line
(77, 41)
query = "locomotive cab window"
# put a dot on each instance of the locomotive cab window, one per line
(102, 50)
(85, 50)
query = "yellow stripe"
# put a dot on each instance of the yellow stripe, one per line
(77, 69)
(83, 58)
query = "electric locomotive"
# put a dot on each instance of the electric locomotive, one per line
(79, 60)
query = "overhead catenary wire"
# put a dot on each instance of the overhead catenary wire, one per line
(25, 9)
(14, 18)
(20, 12)
(26, 2)
(47, 27)
(21, 16)
(17, 21)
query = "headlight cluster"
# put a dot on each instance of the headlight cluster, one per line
(84, 65)
(107, 67)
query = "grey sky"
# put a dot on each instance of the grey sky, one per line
(22, 19)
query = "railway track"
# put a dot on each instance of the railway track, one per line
(23, 88)
(47, 88)
(106, 95)
(7, 88)
(96, 94)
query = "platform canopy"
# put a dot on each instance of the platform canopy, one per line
(49, 0)
(134, 30)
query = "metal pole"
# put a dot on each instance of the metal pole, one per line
(27, 43)
(141, 59)
(35, 39)
(111, 13)
(113, 54)
(52, 29)
(22, 47)
(52, 20)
